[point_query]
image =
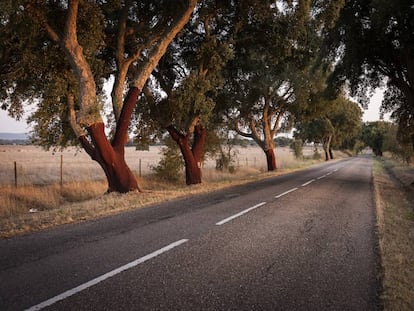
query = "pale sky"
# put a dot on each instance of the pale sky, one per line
(373, 112)
(9, 125)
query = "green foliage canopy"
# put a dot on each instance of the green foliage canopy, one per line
(116, 38)
(184, 85)
(372, 45)
(340, 119)
(271, 79)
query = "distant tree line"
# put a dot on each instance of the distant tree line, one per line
(383, 136)
(15, 142)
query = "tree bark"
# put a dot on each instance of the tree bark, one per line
(269, 131)
(111, 156)
(326, 154)
(192, 166)
(119, 176)
(192, 156)
(331, 153)
(327, 147)
(271, 160)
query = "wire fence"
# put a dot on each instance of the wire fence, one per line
(29, 165)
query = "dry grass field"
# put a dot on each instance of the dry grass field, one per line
(36, 166)
(39, 201)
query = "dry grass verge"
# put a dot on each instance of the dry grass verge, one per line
(39, 202)
(396, 233)
(30, 208)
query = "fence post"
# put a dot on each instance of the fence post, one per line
(15, 174)
(140, 172)
(61, 170)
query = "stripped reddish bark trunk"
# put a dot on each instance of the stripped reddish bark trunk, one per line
(112, 160)
(270, 159)
(331, 154)
(192, 155)
(111, 156)
(326, 154)
(199, 142)
(327, 148)
(192, 166)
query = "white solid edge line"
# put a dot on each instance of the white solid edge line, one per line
(307, 183)
(286, 192)
(105, 276)
(320, 177)
(222, 222)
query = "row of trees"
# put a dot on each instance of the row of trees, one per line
(383, 136)
(337, 125)
(195, 70)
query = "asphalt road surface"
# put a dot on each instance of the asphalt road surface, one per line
(303, 241)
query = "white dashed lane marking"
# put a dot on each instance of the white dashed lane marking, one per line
(285, 193)
(222, 222)
(308, 182)
(105, 276)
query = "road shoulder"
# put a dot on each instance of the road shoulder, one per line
(395, 218)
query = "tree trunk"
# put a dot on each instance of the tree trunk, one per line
(112, 160)
(326, 154)
(270, 159)
(192, 166)
(412, 140)
(331, 153)
(192, 156)
(111, 155)
(199, 142)
(327, 148)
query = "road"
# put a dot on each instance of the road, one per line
(302, 241)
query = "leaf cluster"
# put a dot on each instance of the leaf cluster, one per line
(189, 76)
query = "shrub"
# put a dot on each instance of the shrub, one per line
(316, 154)
(171, 164)
(297, 147)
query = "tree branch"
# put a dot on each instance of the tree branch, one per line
(79, 132)
(255, 133)
(275, 126)
(244, 134)
(39, 14)
(77, 129)
(159, 49)
(192, 125)
(121, 133)
(174, 133)
(88, 113)
(120, 78)
(70, 26)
